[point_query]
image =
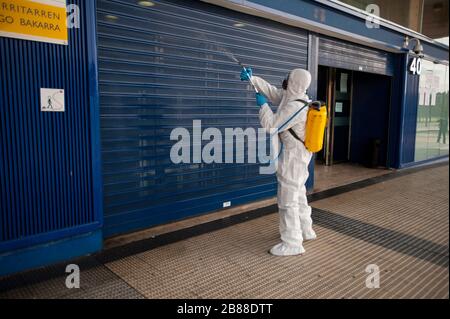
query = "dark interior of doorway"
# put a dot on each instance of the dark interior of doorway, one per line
(358, 111)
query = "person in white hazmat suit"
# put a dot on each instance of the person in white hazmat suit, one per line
(292, 171)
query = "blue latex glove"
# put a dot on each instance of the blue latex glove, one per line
(260, 99)
(246, 74)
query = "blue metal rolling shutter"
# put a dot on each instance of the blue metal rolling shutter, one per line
(161, 67)
(341, 54)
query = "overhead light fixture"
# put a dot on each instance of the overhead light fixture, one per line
(146, 3)
(111, 17)
(418, 47)
(239, 25)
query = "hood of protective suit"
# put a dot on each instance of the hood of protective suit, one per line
(299, 81)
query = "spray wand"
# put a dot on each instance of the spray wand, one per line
(243, 67)
(249, 77)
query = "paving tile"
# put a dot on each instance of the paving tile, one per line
(400, 225)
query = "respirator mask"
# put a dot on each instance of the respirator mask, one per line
(284, 85)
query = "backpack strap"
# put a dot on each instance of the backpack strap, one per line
(295, 135)
(291, 130)
(303, 101)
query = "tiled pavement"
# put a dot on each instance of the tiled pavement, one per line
(401, 225)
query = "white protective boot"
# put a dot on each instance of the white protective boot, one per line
(283, 249)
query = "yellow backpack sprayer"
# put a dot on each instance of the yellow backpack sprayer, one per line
(316, 122)
(315, 126)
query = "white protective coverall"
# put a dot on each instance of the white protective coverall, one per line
(292, 171)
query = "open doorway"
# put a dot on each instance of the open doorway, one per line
(356, 138)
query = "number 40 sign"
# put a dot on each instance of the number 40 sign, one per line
(415, 66)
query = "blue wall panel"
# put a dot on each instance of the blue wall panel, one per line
(49, 185)
(162, 67)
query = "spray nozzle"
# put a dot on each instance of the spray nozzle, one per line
(249, 77)
(232, 57)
